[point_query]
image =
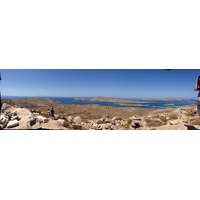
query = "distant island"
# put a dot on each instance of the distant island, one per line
(116, 100)
(106, 99)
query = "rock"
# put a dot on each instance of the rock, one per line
(42, 119)
(174, 122)
(61, 121)
(56, 117)
(136, 125)
(14, 117)
(135, 117)
(77, 120)
(36, 114)
(32, 121)
(3, 122)
(69, 118)
(103, 126)
(87, 126)
(5, 106)
(77, 127)
(114, 127)
(12, 124)
(95, 125)
(116, 118)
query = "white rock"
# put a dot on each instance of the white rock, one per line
(69, 118)
(77, 120)
(61, 121)
(42, 119)
(173, 122)
(12, 124)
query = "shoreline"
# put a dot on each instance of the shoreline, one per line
(154, 103)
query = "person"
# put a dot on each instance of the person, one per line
(52, 112)
(49, 112)
(197, 88)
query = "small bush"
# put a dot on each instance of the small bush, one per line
(118, 118)
(100, 122)
(129, 121)
(190, 113)
(195, 122)
(173, 116)
(154, 122)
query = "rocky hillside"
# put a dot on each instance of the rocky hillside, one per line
(29, 114)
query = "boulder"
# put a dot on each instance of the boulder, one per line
(77, 120)
(3, 122)
(173, 122)
(114, 127)
(69, 118)
(12, 124)
(61, 121)
(86, 126)
(5, 106)
(42, 119)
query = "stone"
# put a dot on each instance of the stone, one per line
(95, 125)
(12, 124)
(114, 127)
(116, 118)
(77, 120)
(173, 122)
(5, 106)
(69, 118)
(42, 119)
(103, 126)
(87, 126)
(14, 117)
(61, 121)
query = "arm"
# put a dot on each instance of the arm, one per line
(196, 85)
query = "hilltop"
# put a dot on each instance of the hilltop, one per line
(31, 113)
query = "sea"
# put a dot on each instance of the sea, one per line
(139, 103)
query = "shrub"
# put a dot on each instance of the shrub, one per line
(129, 121)
(190, 113)
(195, 122)
(173, 116)
(154, 122)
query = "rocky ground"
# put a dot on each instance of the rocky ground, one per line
(31, 113)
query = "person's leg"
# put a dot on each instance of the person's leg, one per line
(198, 105)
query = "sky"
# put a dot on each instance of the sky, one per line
(117, 83)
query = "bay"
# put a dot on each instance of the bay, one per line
(140, 103)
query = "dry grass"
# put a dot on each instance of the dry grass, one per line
(190, 113)
(195, 122)
(118, 118)
(173, 116)
(129, 121)
(156, 120)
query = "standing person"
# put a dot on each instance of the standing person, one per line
(49, 113)
(197, 88)
(52, 112)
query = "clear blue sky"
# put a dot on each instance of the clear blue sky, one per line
(127, 83)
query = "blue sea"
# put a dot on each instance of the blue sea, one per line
(141, 103)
